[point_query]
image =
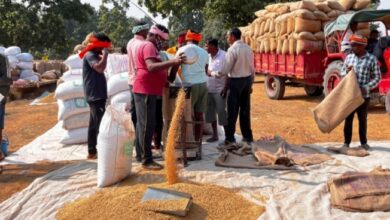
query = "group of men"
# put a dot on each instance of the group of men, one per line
(221, 84)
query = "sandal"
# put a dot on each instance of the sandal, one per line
(152, 166)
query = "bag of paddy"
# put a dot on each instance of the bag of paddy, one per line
(115, 146)
(118, 83)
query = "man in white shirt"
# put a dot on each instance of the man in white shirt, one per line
(239, 67)
(215, 85)
(345, 44)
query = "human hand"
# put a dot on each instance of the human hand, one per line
(224, 92)
(105, 52)
(364, 91)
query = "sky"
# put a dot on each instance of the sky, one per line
(133, 11)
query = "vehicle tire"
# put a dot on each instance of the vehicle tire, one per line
(332, 76)
(313, 90)
(387, 102)
(274, 87)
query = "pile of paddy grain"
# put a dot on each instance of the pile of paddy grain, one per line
(209, 202)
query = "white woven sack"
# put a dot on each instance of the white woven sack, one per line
(115, 146)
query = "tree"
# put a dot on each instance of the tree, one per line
(39, 25)
(115, 23)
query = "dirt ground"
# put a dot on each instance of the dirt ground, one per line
(290, 118)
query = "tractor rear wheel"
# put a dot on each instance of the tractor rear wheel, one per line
(274, 87)
(332, 76)
(313, 90)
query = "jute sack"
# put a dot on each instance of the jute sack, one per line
(283, 27)
(290, 24)
(320, 35)
(305, 14)
(257, 29)
(305, 36)
(341, 102)
(283, 9)
(361, 192)
(273, 44)
(292, 45)
(322, 16)
(334, 14)
(279, 45)
(304, 4)
(347, 4)
(266, 45)
(261, 49)
(309, 46)
(335, 5)
(361, 4)
(272, 8)
(266, 26)
(302, 25)
(323, 6)
(285, 47)
(272, 26)
(260, 13)
(262, 26)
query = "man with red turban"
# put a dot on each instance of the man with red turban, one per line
(368, 75)
(95, 85)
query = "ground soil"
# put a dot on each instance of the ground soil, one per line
(290, 118)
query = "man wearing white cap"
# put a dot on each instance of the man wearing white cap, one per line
(140, 32)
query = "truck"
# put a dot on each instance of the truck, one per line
(319, 71)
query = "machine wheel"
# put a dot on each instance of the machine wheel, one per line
(274, 87)
(387, 103)
(313, 90)
(332, 76)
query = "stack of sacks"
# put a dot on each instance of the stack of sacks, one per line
(50, 70)
(21, 64)
(73, 111)
(75, 68)
(117, 74)
(296, 27)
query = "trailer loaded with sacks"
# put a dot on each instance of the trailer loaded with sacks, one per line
(300, 43)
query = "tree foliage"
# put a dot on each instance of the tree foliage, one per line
(54, 27)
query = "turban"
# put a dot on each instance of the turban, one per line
(95, 43)
(155, 30)
(193, 36)
(139, 28)
(357, 39)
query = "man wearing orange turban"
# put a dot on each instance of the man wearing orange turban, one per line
(368, 75)
(195, 73)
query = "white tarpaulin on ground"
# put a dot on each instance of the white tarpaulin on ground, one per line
(289, 194)
(47, 147)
